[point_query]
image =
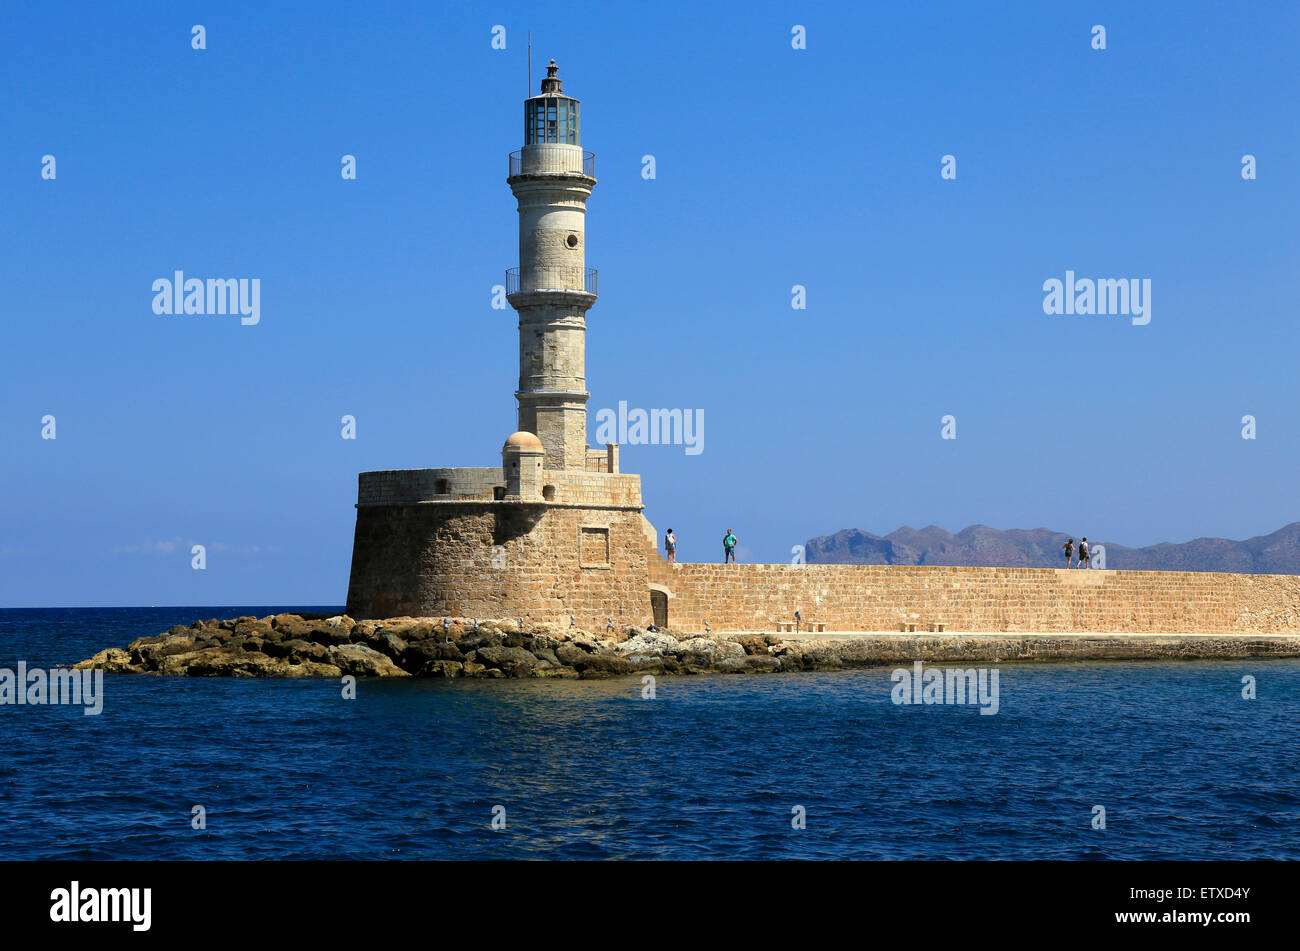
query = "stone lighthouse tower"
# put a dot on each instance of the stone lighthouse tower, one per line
(552, 289)
(556, 531)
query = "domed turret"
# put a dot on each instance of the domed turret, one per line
(521, 461)
(522, 440)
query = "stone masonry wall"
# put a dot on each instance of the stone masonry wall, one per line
(883, 597)
(501, 559)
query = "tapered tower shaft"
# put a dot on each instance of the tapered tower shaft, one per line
(552, 289)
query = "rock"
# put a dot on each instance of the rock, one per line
(555, 673)
(222, 662)
(418, 655)
(113, 660)
(546, 654)
(387, 643)
(541, 641)
(649, 642)
(645, 662)
(471, 669)
(300, 650)
(320, 632)
(366, 632)
(821, 658)
(571, 655)
(711, 648)
(749, 664)
(363, 661)
(603, 665)
(150, 650)
(472, 642)
(752, 644)
(446, 669)
(514, 661)
(253, 626)
(310, 669)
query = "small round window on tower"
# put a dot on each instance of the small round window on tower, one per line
(571, 240)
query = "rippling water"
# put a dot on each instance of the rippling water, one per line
(1185, 768)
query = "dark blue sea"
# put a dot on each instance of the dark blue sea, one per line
(711, 768)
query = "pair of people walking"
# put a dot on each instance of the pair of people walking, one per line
(1084, 557)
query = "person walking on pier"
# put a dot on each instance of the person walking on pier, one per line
(670, 546)
(1069, 552)
(729, 548)
(1083, 553)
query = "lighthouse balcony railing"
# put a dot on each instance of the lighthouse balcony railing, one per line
(544, 161)
(551, 279)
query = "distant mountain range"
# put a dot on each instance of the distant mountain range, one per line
(979, 545)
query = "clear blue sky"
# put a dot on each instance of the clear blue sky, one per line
(775, 167)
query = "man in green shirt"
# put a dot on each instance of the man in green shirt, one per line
(729, 548)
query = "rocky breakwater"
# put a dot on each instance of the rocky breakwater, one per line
(295, 645)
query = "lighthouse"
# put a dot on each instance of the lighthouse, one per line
(556, 531)
(552, 288)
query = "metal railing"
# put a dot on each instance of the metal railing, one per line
(552, 162)
(551, 279)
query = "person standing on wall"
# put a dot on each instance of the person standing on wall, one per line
(670, 546)
(729, 548)
(1069, 551)
(1083, 552)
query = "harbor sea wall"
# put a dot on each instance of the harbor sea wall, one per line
(990, 600)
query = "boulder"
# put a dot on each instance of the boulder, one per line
(319, 632)
(417, 655)
(646, 662)
(309, 668)
(253, 627)
(514, 661)
(385, 642)
(363, 661)
(445, 669)
(712, 648)
(472, 642)
(748, 664)
(555, 673)
(571, 655)
(114, 660)
(603, 665)
(222, 662)
(649, 642)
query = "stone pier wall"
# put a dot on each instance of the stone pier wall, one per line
(884, 597)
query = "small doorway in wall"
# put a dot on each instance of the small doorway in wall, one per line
(659, 608)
